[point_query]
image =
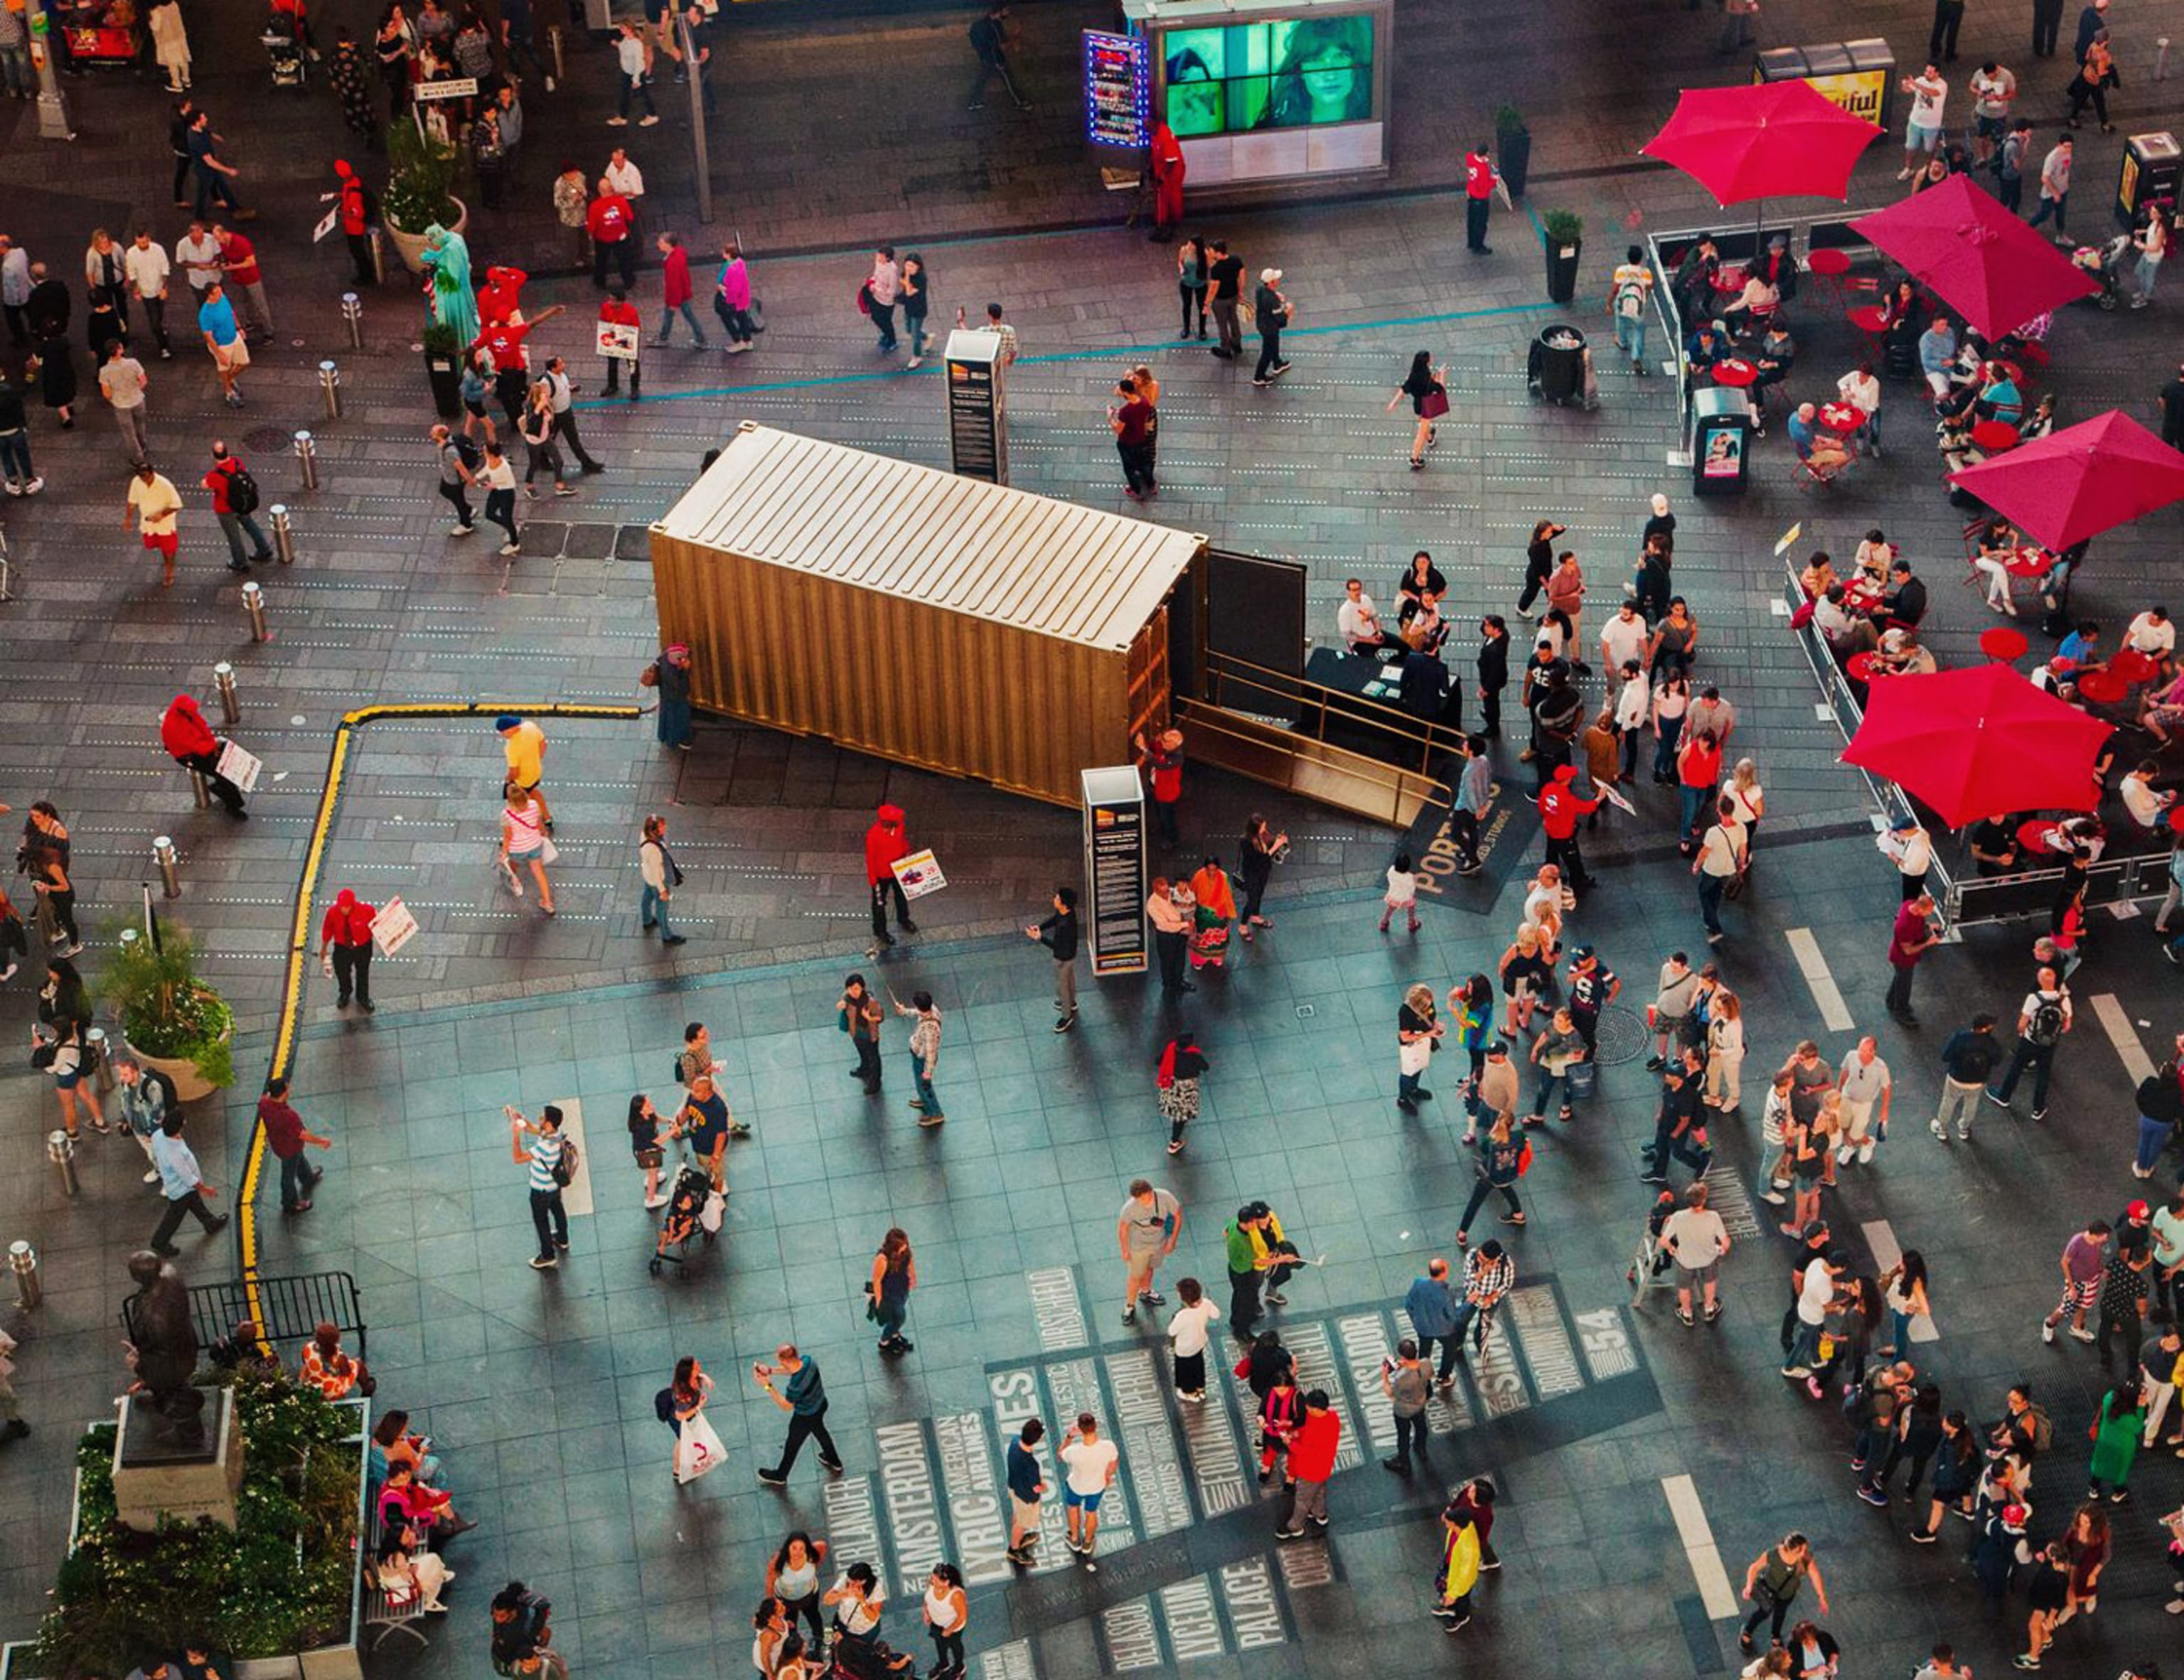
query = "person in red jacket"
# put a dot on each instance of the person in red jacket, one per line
(1311, 1461)
(1162, 757)
(1167, 168)
(675, 289)
(1560, 807)
(884, 844)
(234, 524)
(345, 947)
(355, 217)
(191, 743)
(613, 227)
(500, 299)
(618, 311)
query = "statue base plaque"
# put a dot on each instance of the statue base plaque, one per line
(154, 1478)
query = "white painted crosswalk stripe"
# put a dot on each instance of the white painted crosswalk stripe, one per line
(1834, 1015)
(2116, 1023)
(1886, 1253)
(1715, 1592)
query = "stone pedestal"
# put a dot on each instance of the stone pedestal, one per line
(152, 1479)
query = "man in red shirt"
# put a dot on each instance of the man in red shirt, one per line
(234, 523)
(613, 225)
(502, 344)
(500, 299)
(353, 219)
(675, 289)
(345, 947)
(1133, 425)
(238, 259)
(1311, 1461)
(1163, 757)
(884, 844)
(619, 311)
(1478, 199)
(1560, 807)
(190, 742)
(286, 1136)
(1913, 936)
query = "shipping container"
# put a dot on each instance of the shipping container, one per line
(959, 626)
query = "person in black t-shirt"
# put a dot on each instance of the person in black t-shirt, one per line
(1225, 274)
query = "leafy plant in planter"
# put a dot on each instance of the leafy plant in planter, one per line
(442, 342)
(1564, 231)
(1562, 227)
(421, 178)
(164, 1009)
(279, 1583)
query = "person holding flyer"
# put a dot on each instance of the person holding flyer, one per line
(345, 948)
(190, 742)
(620, 327)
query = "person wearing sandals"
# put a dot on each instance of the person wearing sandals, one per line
(1697, 1237)
(523, 840)
(1424, 385)
(1181, 1065)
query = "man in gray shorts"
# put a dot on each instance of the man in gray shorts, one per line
(1145, 1231)
(1695, 1236)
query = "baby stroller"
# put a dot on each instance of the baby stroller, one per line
(693, 1209)
(2104, 263)
(284, 53)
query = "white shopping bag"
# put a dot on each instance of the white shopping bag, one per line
(697, 1450)
(238, 766)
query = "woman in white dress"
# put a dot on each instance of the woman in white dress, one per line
(523, 840)
(171, 45)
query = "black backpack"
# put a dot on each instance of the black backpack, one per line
(2046, 1024)
(663, 1405)
(242, 490)
(468, 453)
(563, 1170)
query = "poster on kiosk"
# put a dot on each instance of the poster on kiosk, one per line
(1113, 913)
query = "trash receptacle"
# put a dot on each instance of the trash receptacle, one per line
(1721, 442)
(2152, 166)
(1556, 365)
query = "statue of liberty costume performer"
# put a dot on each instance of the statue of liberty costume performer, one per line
(455, 299)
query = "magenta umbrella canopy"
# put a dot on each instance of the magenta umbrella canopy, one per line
(1763, 140)
(2080, 482)
(1961, 245)
(1978, 742)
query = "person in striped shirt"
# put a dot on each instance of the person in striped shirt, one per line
(543, 1157)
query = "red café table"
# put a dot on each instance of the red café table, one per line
(1828, 260)
(2030, 832)
(1859, 668)
(2029, 563)
(1861, 594)
(1735, 371)
(1841, 418)
(1869, 319)
(2103, 688)
(2133, 666)
(1994, 436)
(2003, 643)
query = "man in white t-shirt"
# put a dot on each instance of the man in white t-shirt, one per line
(1145, 1231)
(1816, 1293)
(1624, 637)
(1359, 621)
(1922, 129)
(2146, 805)
(1698, 1239)
(1087, 1466)
(2153, 635)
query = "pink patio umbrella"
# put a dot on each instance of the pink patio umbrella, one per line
(2080, 482)
(1959, 244)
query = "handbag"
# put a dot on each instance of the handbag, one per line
(1242, 1368)
(548, 852)
(649, 1158)
(1434, 403)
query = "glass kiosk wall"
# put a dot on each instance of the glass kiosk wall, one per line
(1276, 91)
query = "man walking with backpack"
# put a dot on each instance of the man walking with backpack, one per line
(234, 499)
(1968, 1061)
(990, 39)
(460, 460)
(2041, 1020)
(1628, 289)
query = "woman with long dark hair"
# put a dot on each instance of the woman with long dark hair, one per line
(1426, 386)
(1262, 849)
(1190, 281)
(793, 1577)
(895, 1275)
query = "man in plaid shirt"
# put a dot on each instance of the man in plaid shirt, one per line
(1487, 1275)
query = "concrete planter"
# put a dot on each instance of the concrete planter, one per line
(410, 247)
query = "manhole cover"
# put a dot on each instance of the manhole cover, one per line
(264, 438)
(1621, 1038)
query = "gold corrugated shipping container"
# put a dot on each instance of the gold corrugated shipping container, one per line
(957, 625)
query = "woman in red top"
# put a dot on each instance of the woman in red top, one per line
(191, 743)
(1698, 773)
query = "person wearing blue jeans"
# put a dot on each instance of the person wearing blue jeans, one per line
(2042, 1021)
(1554, 1053)
(924, 1055)
(1628, 288)
(661, 875)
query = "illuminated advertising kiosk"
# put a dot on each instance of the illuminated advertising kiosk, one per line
(1270, 90)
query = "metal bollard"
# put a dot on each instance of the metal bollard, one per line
(23, 1261)
(284, 539)
(330, 387)
(254, 603)
(6, 593)
(2161, 58)
(162, 854)
(128, 940)
(307, 458)
(223, 678)
(553, 41)
(378, 253)
(60, 1150)
(202, 795)
(97, 1058)
(353, 315)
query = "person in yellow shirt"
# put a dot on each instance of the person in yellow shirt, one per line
(527, 759)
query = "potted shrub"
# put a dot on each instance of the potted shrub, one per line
(171, 1019)
(1564, 231)
(420, 176)
(443, 367)
(1512, 146)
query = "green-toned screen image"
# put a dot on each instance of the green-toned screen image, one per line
(1196, 62)
(1323, 72)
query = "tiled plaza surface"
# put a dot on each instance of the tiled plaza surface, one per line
(539, 1389)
